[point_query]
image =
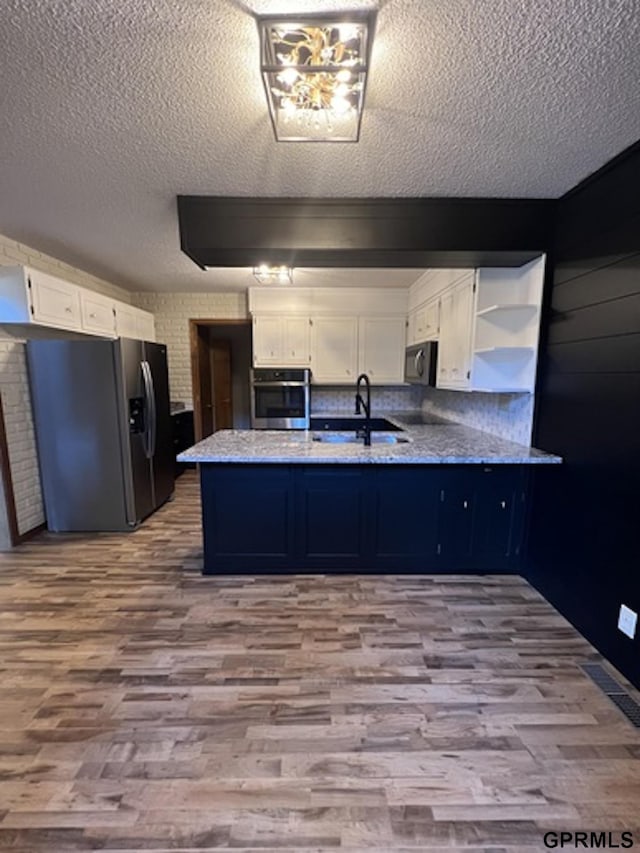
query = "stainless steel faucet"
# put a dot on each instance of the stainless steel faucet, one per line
(365, 432)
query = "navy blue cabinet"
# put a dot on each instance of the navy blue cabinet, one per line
(482, 516)
(364, 518)
(330, 516)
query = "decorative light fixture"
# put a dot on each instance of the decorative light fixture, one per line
(314, 72)
(273, 275)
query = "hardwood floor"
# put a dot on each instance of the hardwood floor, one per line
(144, 706)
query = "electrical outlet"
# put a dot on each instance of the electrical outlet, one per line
(627, 621)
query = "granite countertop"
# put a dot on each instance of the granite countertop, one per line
(443, 442)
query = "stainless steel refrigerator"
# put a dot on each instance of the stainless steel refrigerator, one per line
(103, 430)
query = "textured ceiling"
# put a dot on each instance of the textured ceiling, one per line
(109, 110)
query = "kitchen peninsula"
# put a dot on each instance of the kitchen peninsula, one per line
(427, 497)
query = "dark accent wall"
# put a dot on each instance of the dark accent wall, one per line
(584, 538)
(373, 232)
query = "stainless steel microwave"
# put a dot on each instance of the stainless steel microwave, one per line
(420, 363)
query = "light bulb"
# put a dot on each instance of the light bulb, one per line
(343, 75)
(340, 105)
(288, 76)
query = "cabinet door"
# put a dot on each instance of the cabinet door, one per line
(98, 316)
(145, 325)
(432, 320)
(454, 355)
(334, 349)
(54, 302)
(481, 520)
(446, 348)
(268, 341)
(297, 349)
(381, 349)
(330, 510)
(126, 321)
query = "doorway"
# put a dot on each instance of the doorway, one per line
(220, 364)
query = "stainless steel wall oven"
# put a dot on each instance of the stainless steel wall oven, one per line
(280, 398)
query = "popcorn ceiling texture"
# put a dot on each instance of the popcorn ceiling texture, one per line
(14, 385)
(111, 109)
(506, 415)
(172, 312)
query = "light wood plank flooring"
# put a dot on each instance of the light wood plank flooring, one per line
(144, 706)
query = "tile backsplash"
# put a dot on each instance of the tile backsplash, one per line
(509, 416)
(325, 398)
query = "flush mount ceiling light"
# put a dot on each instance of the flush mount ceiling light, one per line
(273, 275)
(314, 72)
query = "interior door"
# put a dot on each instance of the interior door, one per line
(220, 352)
(202, 385)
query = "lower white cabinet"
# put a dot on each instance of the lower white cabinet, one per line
(334, 350)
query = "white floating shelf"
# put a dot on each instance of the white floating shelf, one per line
(507, 307)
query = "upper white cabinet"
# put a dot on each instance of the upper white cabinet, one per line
(337, 332)
(334, 350)
(506, 327)
(97, 314)
(454, 349)
(489, 329)
(381, 349)
(132, 322)
(32, 297)
(281, 341)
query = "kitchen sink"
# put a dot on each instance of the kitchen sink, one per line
(347, 423)
(352, 438)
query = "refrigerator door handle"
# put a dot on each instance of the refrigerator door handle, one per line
(150, 407)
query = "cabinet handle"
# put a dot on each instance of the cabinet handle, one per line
(92, 315)
(293, 353)
(68, 310)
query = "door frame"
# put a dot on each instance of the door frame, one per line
(195, 326)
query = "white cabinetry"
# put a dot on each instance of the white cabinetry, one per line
(132, 322)
(426, 322)
(506, 328)
(489, 328)
(31, 297)
(381, 349)
(337, 332)
(98, 314)
(334, 350)
(281, 341)
(454, 349)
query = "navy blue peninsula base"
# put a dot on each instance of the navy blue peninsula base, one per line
(442, 498)
(359, 518)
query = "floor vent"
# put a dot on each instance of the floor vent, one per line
(616, 692)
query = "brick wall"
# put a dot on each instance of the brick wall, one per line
(172, 312)
(14, 386)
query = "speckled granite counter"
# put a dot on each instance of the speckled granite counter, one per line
(444, 442)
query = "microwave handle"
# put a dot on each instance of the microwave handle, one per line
(419, 363)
